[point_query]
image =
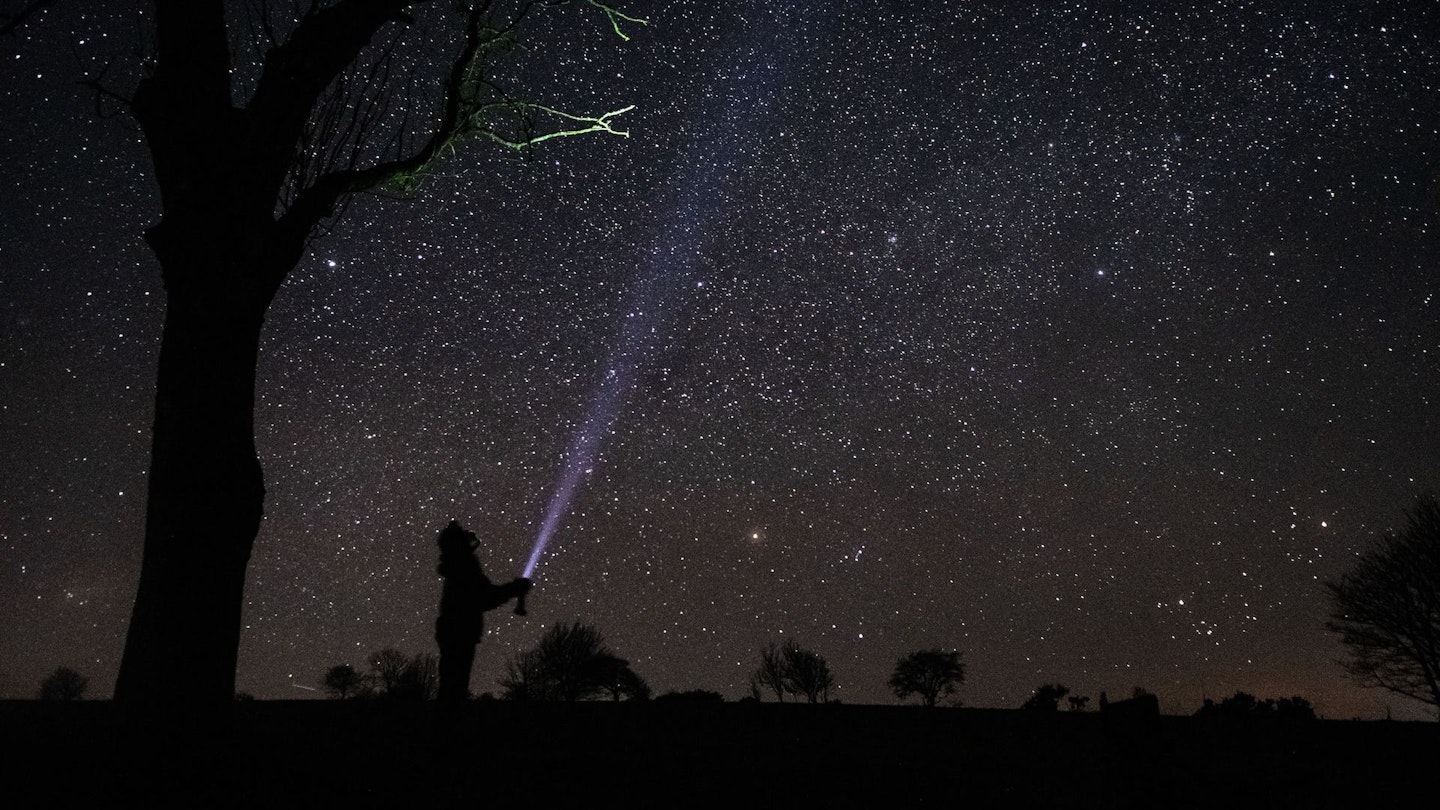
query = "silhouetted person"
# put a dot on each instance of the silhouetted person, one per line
(466, 595)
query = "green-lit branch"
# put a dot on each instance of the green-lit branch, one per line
(409, 180)
(475, 107)
(615, 16)
(476, 115)
(601, 123)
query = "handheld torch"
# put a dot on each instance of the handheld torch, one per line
(525, 585)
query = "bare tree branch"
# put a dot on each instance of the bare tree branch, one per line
(615, 16)
(297, 72)
(103, 91)
(600, 123)
(472, 105)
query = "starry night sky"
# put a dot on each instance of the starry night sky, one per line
(1087, 338)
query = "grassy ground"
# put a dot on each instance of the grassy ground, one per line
(373, 754)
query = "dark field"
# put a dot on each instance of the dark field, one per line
(678, 755)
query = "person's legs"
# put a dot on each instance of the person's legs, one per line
(456, 661)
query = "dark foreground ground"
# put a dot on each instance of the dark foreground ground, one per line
(377, 755)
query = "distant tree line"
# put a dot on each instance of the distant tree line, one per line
(1245, 706)
(392, 675)
(571, 662)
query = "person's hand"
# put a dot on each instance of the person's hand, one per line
(523, 585)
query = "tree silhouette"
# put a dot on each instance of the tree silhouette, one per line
(1294, 708)
(342, 681)
(1047, 698)
(790, 669)
(771, 673)
(524, 678)
(1240, 704)
(63, 684)
(570, 663)
(1078, 702)
(621, 681)
(931, 674)
(1387, 609)
(807, 673)
(396, 676)
(331, 111)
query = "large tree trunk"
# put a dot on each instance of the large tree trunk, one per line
(224, 247)
(205, 495)
(216, 246)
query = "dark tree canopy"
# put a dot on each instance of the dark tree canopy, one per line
(930, 674)
(570, 663)
(343, 681)
(1047, 697)
(1387, 609)
(63, 684)
(770, 675)
(395, 676)
(790, 669)
(807, 673)
(622, 682)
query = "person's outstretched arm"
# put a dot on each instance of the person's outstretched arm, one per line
(497, 595)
